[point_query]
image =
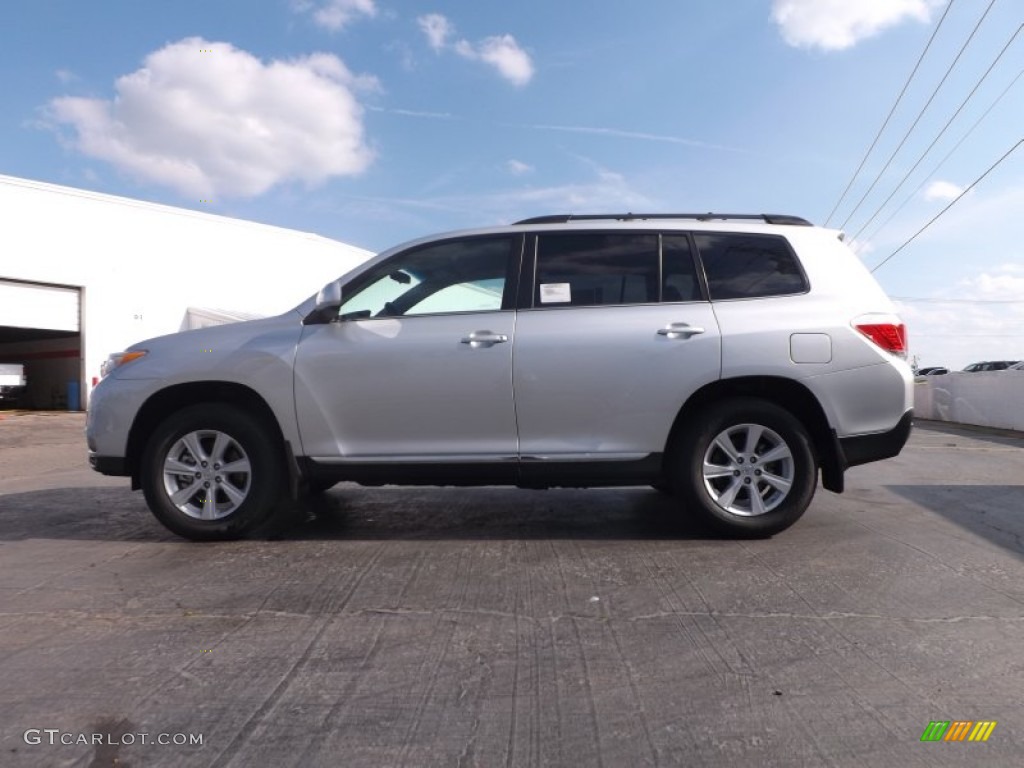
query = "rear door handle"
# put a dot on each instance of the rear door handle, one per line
(680, 330)
(479, 339)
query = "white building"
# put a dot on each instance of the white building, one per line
(84, 274)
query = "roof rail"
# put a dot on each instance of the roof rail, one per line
(767, 218)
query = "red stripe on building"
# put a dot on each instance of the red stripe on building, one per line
(57, 354)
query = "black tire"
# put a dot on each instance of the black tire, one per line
(744, 498)
(241, 500)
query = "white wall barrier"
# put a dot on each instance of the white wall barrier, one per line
(987, 398)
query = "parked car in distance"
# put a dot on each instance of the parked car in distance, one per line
(933, 370)
(1017, 366)
(726, 360)
(12, 383)
(991, 365)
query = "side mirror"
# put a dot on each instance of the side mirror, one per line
(328, 301)
(329, 296)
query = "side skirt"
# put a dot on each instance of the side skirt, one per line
(528, 473)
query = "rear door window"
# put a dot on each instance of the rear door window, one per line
(594, 269)
(678, 273)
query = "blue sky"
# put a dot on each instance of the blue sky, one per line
(373, 122)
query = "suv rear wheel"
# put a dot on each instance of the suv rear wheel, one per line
(211, 472)
(746, 466)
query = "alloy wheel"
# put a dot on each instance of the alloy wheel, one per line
(748, 470)
(207, 474)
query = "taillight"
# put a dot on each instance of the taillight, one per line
(887, 332)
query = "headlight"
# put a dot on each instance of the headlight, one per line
(118, 359)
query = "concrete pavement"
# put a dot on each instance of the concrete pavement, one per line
(498, 627)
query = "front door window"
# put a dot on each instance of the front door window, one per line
(467, 275)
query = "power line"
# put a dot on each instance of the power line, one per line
(928, 300)
(940, 133)
(888, 117)
(919, 115)
(942, 162)
(952, 203)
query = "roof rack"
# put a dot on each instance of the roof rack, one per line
(767, 218)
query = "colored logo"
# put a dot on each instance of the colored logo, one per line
(958, 730)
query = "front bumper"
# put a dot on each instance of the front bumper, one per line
(116, 466)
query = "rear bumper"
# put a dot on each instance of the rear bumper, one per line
(864, 449)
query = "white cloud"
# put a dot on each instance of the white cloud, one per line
(65, 76)
(1001, 286)
(500, 51)
(209, 120)
(437, 29)
(414, 113)
(969, 266)
(835, 25)
(598, 190)
(607, 192)
(518, 168)
(336, 14)
(942, 190)
(1011, 267)
(862, 248)
(603, 195)
(619, 134)
(504, 54)
(979, 319)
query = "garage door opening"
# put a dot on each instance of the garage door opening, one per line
(41, 330)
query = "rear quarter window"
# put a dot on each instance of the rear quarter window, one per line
(746, 266)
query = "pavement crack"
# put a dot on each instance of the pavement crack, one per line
(829, 616)
(247, 617)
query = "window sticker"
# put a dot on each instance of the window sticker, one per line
(555, 293)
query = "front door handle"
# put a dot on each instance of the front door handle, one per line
(479, 339)
(680, 330)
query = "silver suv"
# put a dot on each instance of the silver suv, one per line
(723, 359)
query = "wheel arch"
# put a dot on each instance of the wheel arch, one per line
(162, 404)
(786, 393)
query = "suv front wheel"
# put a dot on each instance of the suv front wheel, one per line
(211, 472)
(747, 467)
